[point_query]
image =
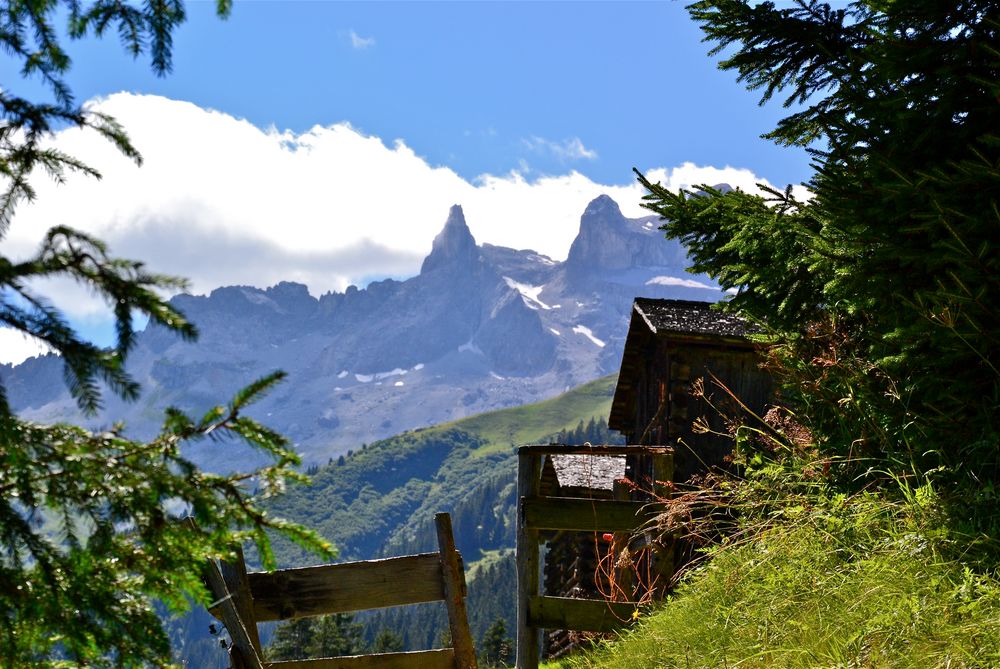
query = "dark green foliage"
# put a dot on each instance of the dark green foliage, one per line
(493, 597)
(91, 534)
(381, 501)
(595, 432)
(419, 626)
(496, 649)
(324, 636)
(377, 491)
(882, 290)
(387, 641)
(90, 528)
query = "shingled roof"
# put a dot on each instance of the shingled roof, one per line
(692, 318)
(593, 472)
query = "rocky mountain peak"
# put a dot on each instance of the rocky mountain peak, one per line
(601, 242)
(599, 208)
(454, 245)
(608, 241)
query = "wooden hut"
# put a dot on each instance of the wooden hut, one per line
(686, 362)
(683, 361)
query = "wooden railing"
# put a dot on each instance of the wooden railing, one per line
(538, 513)
(245, 599)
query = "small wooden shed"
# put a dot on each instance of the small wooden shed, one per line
(680, 358)
(571, 565)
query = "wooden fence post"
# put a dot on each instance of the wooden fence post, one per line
(244, 652)
(454, 594)
(235, 576)
(529, 471)
(663, 556)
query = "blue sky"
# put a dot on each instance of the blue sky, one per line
(324, 141)
(468, 84)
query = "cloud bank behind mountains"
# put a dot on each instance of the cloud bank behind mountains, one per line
(223, 202)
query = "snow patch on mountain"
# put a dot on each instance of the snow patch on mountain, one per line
(470, 347)
(586, 332)
(674, 281)
(528, 293)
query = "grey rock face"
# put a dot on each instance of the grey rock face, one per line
(608, 241)
(453, 246)
(514, 340)
(480, 328)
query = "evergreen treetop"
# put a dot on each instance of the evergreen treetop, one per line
(90, 530)
(882, 288)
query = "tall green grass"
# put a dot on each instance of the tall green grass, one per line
(840, 582)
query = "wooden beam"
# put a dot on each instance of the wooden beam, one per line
(453, 576)
(584, 515)
(599, 449)
(582, 615)
(225, 609)
(352, 586)
(663, 476)
(663, 551)
(529, 471)
(235, 575)
(442, 658)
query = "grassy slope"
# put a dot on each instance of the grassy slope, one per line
(531, 423)
(859, 584)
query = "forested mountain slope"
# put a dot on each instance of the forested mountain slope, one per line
(381, 500)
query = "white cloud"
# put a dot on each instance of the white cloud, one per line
(223, 202)
(16, 347)
(359, 42)
(566, 150)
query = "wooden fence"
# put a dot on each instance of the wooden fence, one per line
(245, 599)
(538, 513)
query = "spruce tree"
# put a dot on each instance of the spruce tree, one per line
(90, 523)
(881, 288)
(496, 647)
(387, 641)
(324, 636)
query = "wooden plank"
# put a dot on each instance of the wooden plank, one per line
(453, 576)
(442, 658)
(663, 476)
(235, 575)
(351, 586)
(624, 576)
(663, 555)
(243, 653)
(582, 615)
(584, 515)
(529, 470)
(599, 449)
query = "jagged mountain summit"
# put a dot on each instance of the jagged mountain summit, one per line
(480, 328)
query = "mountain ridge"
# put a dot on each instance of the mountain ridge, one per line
(480, 328)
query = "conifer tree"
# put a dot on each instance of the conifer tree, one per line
(387, 641)
(90, 531)
(882, 288)
(496, 647)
